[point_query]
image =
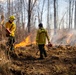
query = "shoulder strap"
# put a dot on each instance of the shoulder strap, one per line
(11, 27)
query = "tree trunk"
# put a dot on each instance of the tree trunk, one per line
(55, 27)
(69, 14)
(29, 15)
(48, 25)
(75, 17)
(8, 6)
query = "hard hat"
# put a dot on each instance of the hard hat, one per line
(12, 17)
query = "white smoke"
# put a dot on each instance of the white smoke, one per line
(63, 37)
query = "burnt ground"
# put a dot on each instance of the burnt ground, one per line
(61, 60)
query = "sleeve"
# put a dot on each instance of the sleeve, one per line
(37, 36)
(47, 37)
(6, 25)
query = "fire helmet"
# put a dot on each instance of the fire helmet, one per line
(12, 17)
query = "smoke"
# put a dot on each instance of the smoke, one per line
(63, 37)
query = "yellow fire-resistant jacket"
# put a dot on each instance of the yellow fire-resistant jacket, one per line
(41, 36)
(11, 27)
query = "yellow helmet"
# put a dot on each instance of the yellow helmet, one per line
(12, 17)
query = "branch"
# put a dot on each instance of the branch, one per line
(33, 5)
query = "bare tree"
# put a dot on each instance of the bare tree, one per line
(48, 14)
(40, 11)
(75, 17)
(29, 14)
(72, 12)
(55, 26)
(69, 14)
(31, 5)
(8, 7)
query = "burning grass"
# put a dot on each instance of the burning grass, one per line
(26, 42)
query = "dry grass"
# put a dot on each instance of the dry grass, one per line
(61, 60)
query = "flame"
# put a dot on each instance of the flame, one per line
(25, 42)
(69, 37)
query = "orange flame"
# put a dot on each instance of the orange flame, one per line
(69, 37)
(25, 42)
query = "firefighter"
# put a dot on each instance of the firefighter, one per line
(10, 32)
(41, 40)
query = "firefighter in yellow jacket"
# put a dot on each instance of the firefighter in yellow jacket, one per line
(41, 40)
(10, 31)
